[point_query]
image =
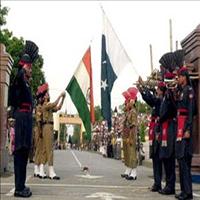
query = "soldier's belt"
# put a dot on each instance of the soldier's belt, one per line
(25, 107)
(182, 111)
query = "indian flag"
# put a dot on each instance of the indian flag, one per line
(80, 89)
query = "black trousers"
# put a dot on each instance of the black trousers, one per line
(185, 174)
(169, 165)
(157, 169)
(20, 163)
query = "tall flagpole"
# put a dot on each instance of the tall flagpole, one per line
(151, 57)
(170, 35)
(176, 45)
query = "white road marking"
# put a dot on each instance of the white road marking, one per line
(11, 192)
(105, 196)
(89, 176)
(79, 185)
(196, 195)
(77, 160)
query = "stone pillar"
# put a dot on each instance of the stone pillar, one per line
(5, 70)
(191, 44)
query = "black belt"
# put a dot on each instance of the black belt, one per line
(182, 113)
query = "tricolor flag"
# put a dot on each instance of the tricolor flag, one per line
(80, 89)
(113, 59)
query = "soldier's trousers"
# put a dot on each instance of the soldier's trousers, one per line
(185, 174)
(169, 165)
(132, 156)
(48, 142)
(157, 169)
(40, 153)
(20, 163)
(125, 152)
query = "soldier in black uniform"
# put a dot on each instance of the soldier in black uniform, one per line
(154, 102)
(183, 150)
(23, 106)
(168, 129)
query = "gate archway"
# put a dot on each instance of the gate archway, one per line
(73, 120)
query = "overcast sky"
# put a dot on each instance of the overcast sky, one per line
(63, 30)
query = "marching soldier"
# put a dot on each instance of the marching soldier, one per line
(47, 120)
(154, 101)
(185, 111)
(168, 130)
(131, 124)
(23, 106)
(40, 153)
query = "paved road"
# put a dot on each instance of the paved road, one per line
(102, 182)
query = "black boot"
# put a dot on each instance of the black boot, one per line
(184, 196)
(167, 191)
(155, 188)
(124, 175)
(25, 193)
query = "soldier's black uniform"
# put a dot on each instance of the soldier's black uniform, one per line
(21, 101)
(154, 102)
(23, 129)
(185, 110)
(167, 150)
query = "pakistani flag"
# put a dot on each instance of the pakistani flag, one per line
(80, 90)
(113, 59)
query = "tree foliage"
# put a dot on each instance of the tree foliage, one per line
(98, 115)
(76, 135)
(3, 14)
(63, 130)
(14, 46)
(142, 131)
(142, 107)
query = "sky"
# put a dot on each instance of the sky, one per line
(63, 30)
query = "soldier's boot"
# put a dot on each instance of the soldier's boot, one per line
(42, 173)
(132, 175)
(36, 171)
(52, 174)
(126, 173)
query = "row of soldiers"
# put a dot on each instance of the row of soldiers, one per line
(170, 129)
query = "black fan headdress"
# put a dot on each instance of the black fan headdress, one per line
(167, 62)
(179, 57)
(30, 53)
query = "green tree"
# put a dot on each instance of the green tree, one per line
(15, 46)
(3, 14)
(142, 132)
(63, 130)
(76, 135)
(142, 107)
(98, 115)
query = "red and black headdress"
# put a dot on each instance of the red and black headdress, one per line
(29, 54)
(179, 58)
(126, 96)
(41, 91)
(162, 86)
(133, 93)
(167, 62)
